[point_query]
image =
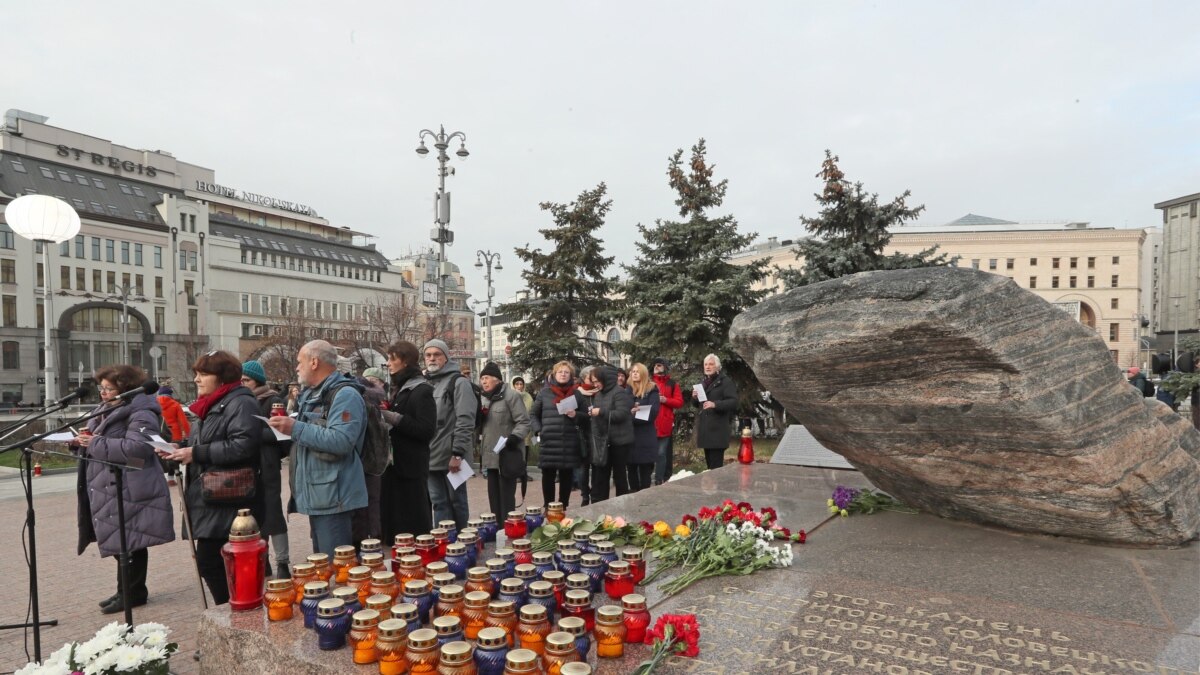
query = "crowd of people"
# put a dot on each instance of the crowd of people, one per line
(371, 456)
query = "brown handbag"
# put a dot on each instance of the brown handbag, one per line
(228, 486)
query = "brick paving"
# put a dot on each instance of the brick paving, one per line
(70, 586)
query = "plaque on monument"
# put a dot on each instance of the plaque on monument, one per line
(799, 448)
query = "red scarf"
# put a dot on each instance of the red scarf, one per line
(203, 404)
(560, 392)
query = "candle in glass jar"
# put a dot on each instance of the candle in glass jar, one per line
(618, 581)
(533, 627)
(280, 599)
(637, 564)
(364, 631)
(474, 614)
(637, 618)
(302, 573)
(610, 632)
(344, 557)
(389, 647)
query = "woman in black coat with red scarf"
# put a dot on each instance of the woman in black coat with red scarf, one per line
(412, 415)
(560, 452)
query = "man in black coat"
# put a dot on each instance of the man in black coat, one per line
(272, 451)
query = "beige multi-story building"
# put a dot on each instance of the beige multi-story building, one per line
(1095, 274)
(1178, 296)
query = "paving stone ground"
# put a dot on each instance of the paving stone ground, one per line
(70, 586)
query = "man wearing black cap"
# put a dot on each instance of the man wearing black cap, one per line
(670, 398)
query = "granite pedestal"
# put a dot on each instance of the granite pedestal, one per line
(886, 593)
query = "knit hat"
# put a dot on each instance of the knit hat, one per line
(254, 371)
(661, 361)
(436, 344)
(1134, 370)
(491, 369)
(377, 373)
(166, 391)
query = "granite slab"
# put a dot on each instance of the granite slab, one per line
(887, 593)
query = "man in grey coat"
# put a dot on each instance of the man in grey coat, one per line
(456, 407)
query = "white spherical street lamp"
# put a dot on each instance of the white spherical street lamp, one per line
(49, 221)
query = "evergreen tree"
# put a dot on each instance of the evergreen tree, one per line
(568, 290)
(682, 292)
(851, 231)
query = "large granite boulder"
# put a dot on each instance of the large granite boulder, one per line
(968, 397)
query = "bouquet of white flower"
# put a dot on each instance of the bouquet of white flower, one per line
(142, 650)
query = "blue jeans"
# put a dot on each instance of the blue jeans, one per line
(447, 506)
(330, 531)
(666, 456)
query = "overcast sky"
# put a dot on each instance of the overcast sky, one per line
(1018, 110)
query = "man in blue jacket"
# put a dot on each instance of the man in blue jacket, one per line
(327, 434)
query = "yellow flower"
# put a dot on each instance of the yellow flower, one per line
(683, 531)
(833, 509)
(845, 513)
(607, 522)
(662, 529)
(829, 502)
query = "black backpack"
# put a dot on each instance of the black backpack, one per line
(449, 396)
(376, 449)
(1147, 387)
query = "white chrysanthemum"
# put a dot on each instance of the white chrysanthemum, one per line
(104, 662)
(151, 640)
(144, 629)
(129, 657)
(113, 630)
(46, 668)
(683, 473)
(101, 644)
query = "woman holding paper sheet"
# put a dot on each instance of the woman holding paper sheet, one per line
(554, 417)
(716, 412)
(120, 436)
(404, 504)
(645, 434)
(505, 418)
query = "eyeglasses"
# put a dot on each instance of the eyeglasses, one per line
(104, 388)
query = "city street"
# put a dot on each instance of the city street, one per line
(70, 586)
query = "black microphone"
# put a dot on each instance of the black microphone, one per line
(148, 388)
(73, 396)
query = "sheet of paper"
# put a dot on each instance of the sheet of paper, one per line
(700, 395)
(159, 443)
(643, 413)
(503, 440)
(567, 404)
(61, 437)
(459, 477)
(279, 435)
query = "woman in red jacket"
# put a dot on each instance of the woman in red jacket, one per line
(670, 399)
(173, 414)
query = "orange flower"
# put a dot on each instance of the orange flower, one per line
(683, 531)
(662, 529)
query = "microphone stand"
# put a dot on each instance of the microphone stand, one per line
(26, 448)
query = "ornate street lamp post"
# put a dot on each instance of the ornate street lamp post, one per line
(488, 259)
(49, 221)
(441, 200)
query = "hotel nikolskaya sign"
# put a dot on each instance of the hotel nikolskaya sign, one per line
(105, 160)
(252, 198)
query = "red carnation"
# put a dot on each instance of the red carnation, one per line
(801, 536)
(744, 506)
(770, 513)
(648, 528)
(689, 520)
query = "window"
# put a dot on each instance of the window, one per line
(1116, 280)
(139, 283)
(1092, 262)
(194, 321)
(975, 263)
(125, 281)
(9, 304)
(245, 303)
(183, 222)
(1116, 260)
(41, 275)
(158, 257)
(158, 289)
(12, 355)
(47, 172)
(80, 279)
(110, 250)
(1114, 332)
(1054, 263)
(64, 249)
(124, 253)
(137, 254)
(1115, 304)
(79, 246)
(8, 271)
(189, 289)
(1074, 263)
(95, 248)
(349, 312)
(1091, 282)
(17, 165)
(98, 183)
(7, 238)
(301, 307)
(111, 279)
(333, 310)
(96, 280)
(160, 319)
(41, 323)
(264, 304)
(125, 188)
(991, 264)
(182, 259)
(138, 191)
(192, 222)
(64, 176)
(1053, 282)
(320, 310)
(1071, 282)
(1008, 264)
(1033, 282)
(283, 307)
(192, 260)
(64, 277)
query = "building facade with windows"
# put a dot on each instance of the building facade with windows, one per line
(1178, 297)
(1095, 274)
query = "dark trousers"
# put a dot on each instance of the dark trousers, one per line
(502, 493)
(583, 478)
(330, 531)
(212, 568)
(714, 457)
(666, 457)
(639, 476)
(615, 470)
(565, 479)
(139, 562)
(365, 523)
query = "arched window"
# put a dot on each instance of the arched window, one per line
(96, 339)
(611, 353)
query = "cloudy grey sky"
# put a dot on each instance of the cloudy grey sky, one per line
(1019, 110)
